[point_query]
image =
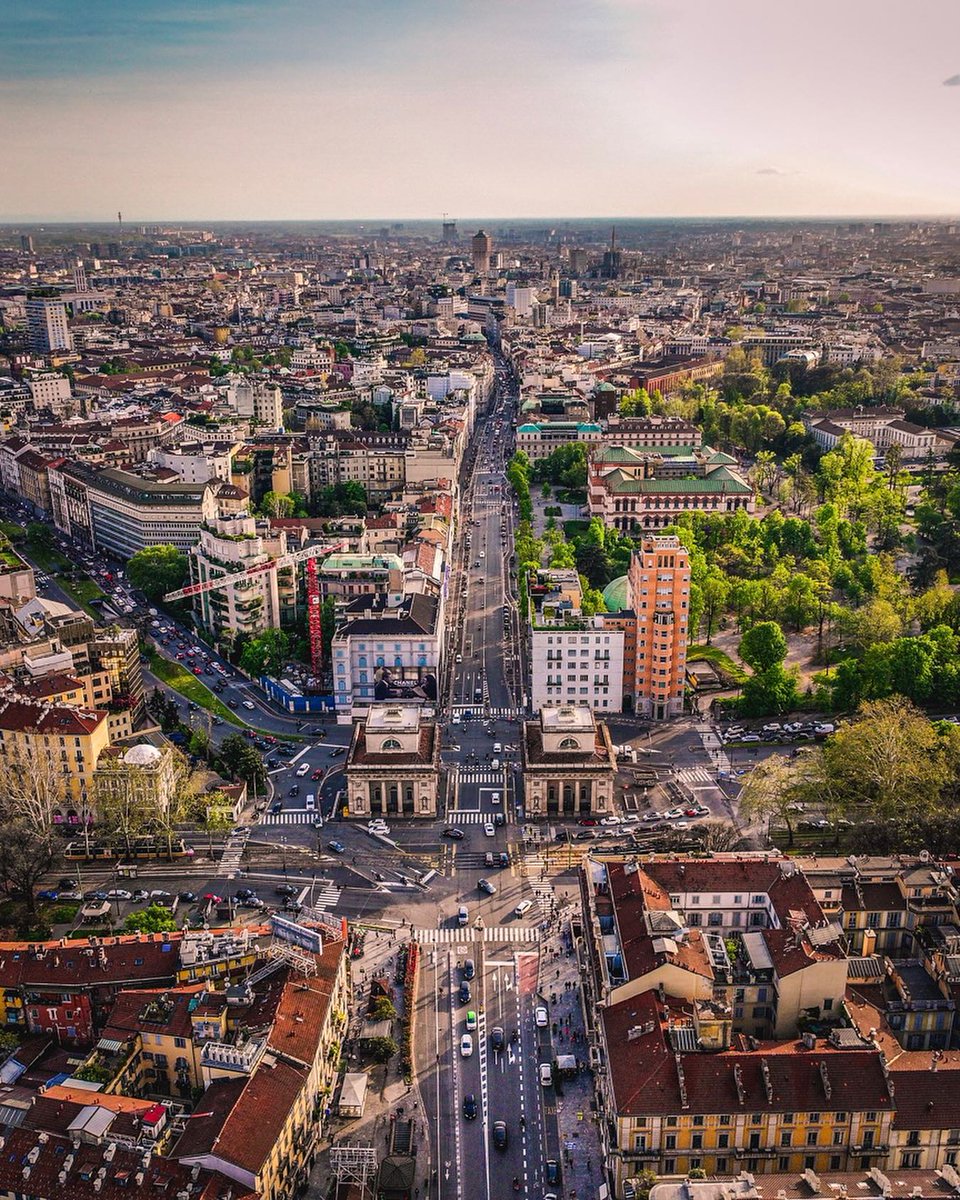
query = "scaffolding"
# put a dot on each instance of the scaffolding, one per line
(354, 1164)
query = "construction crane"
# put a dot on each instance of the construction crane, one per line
(314, 614)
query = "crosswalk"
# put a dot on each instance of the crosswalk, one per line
(290, 816)
(479, 775)
(495, 934)
(482, 713)
(233, 853)
(468, 816)
(694, 775)
(325, 895)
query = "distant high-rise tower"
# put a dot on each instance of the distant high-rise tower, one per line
(79, 276)
(450, 236)
(481, 246)
(612, 259)
(47, 328)
(26, 243)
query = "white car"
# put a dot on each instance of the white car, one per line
(495, 798)
(303, 769)
(630, 818)
(609, 820)
(119, 894)
(673, 814)
(541, 1016)
(489, 829)
(497, 748)
(249, 704)
(466, 1046)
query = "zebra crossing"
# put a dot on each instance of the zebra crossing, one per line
(495, 934)
(326, 894)
(483, 713)
(233, 853)
(697, 775)
(478, 775)
(468, 816)
(290, 816)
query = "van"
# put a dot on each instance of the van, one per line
(523, 907)
(462, 915)
(310, 803)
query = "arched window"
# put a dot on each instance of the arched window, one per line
(391, 744)
(569, 744)
(362, 660)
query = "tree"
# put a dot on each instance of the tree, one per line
(277, 505)
(39, 535)
(215, 821)
(328, 625)
(715, 592)
(266, 654)
(155, 919)
(770, 692)
(156, 570)
(26, 855)
(164, 708)
(888, 761)
(382, 1049)
(240, 760)
(763, 646)
(770, 790)
(383, 1009)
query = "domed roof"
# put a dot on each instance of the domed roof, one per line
(615, 594)
(142, 755)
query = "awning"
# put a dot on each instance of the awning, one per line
(110, 1044)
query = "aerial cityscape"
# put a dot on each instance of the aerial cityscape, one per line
(480, 694)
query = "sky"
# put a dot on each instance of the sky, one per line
(313, 109)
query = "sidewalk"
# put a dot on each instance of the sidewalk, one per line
(579, 1138)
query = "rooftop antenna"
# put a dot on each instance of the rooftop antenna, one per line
(120, 221)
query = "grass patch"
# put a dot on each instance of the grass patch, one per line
(189, 686)
(82, 592)
(15, 532)
(720, 660)
(51, 561)
(61, 912)
(573, 529)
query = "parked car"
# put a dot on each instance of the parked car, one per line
(466, 1046)
(470, 1107)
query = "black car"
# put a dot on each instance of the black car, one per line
(295, 790)
(552, 1170)
(470, 1107)
(285, 889)
(450, 832)
(496, 1038)
(95, 895)
(500, 1136)
(188, 897)
(464, 993)
(338, 750)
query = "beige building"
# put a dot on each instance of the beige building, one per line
(568, 764)
(67, 740)
(393, 765)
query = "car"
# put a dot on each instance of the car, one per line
(276, 806)
(469, 968)
(500, 1136)
(551, 1171)
(285, 889)
(673, 814)
(119, 894)
(459, 658)
(95, 894)
(48, 894)
(337, 751)
(489, 829)
(546, 1075)
(651, 818)
(469, 1107)
(212, 898)
(504, 859)
(451, 832)
(497, 1039)
(464, 993)
(67, 884)
(497, 748)
(139, 895)
(249, 705)
(380, 827)
(471, 1019)
(231, 703)
(317, 775)
(495, 764)
(751, 737)
(486, 886)
(188, 897)
(587, 821)
(541, 1017)
(609, 820)
(488, 859)
(295, 790)
(682, 825)
(336, 847)
(302, 770)
(466, 1046)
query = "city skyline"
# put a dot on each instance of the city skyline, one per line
(630, 107)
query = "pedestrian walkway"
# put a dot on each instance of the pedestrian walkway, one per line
(468, 816)
(694, 775)
(480, 775)
(494, 934)
(233, 853)
(290, 816)
(325, 895)
(481, 713)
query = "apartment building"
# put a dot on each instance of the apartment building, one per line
(230, 545)
(63, 741)
(47, 328)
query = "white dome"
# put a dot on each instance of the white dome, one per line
(142, 755)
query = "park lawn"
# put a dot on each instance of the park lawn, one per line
(189, 686)
(573, 529)
(12, 530)
(83, 591)
(50, 560)
(720, 659)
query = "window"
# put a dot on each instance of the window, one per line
(723, 1141)
(671, 1122)
(910, 1160)
(390, 744)
(783, 1162)
(671, 1142)
(786, 1139)
(696, 1142)
(812, 1138)
(834, 1162)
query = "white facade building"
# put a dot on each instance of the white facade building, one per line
(47, 328)
(577, 666)
(228, 545)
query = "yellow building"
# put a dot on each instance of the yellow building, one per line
(67, 741)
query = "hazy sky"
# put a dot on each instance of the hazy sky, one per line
(409, 108)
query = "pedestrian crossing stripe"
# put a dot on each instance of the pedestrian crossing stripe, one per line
(481, 712)
(295, 817)
(469, 775)
(323, 897)
(696, 775)
(469, 816)
(495, 933)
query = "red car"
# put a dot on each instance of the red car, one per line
(213, 898)
(318, 774)
(586, 821)
(197, 671)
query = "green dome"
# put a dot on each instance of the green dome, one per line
(615, 594)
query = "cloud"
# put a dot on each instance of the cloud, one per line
(953, 81)
(771, 171)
